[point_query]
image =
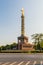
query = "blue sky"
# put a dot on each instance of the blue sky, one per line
(10, 19)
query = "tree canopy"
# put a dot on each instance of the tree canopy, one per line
(37, 38)
(9, 47)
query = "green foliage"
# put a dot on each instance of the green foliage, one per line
(34, 47)
(37, 39)
(9, 47)
(38, 46)
(21, 51)
(14, 51)
(2, 47)
(41, 44)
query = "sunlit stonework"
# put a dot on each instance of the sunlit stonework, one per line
(23, 40)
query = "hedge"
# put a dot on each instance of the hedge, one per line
(21, 51)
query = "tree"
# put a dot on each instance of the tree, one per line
(2, 47)
(7, 47)
(41, 44)
(38, 47)
(34, 37)
(37, 39)
(14, 46)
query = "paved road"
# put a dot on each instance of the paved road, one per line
(21, 59)
(22, 63)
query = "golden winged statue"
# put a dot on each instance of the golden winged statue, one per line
(22, 11)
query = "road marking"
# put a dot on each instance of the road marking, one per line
(27, 62)
(6, 63)
(34, 63)
(20, 63)
(41, 62)
(13, 63)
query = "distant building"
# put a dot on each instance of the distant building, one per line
(23, 40)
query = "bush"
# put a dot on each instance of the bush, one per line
(13, 51)
(21, 51)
